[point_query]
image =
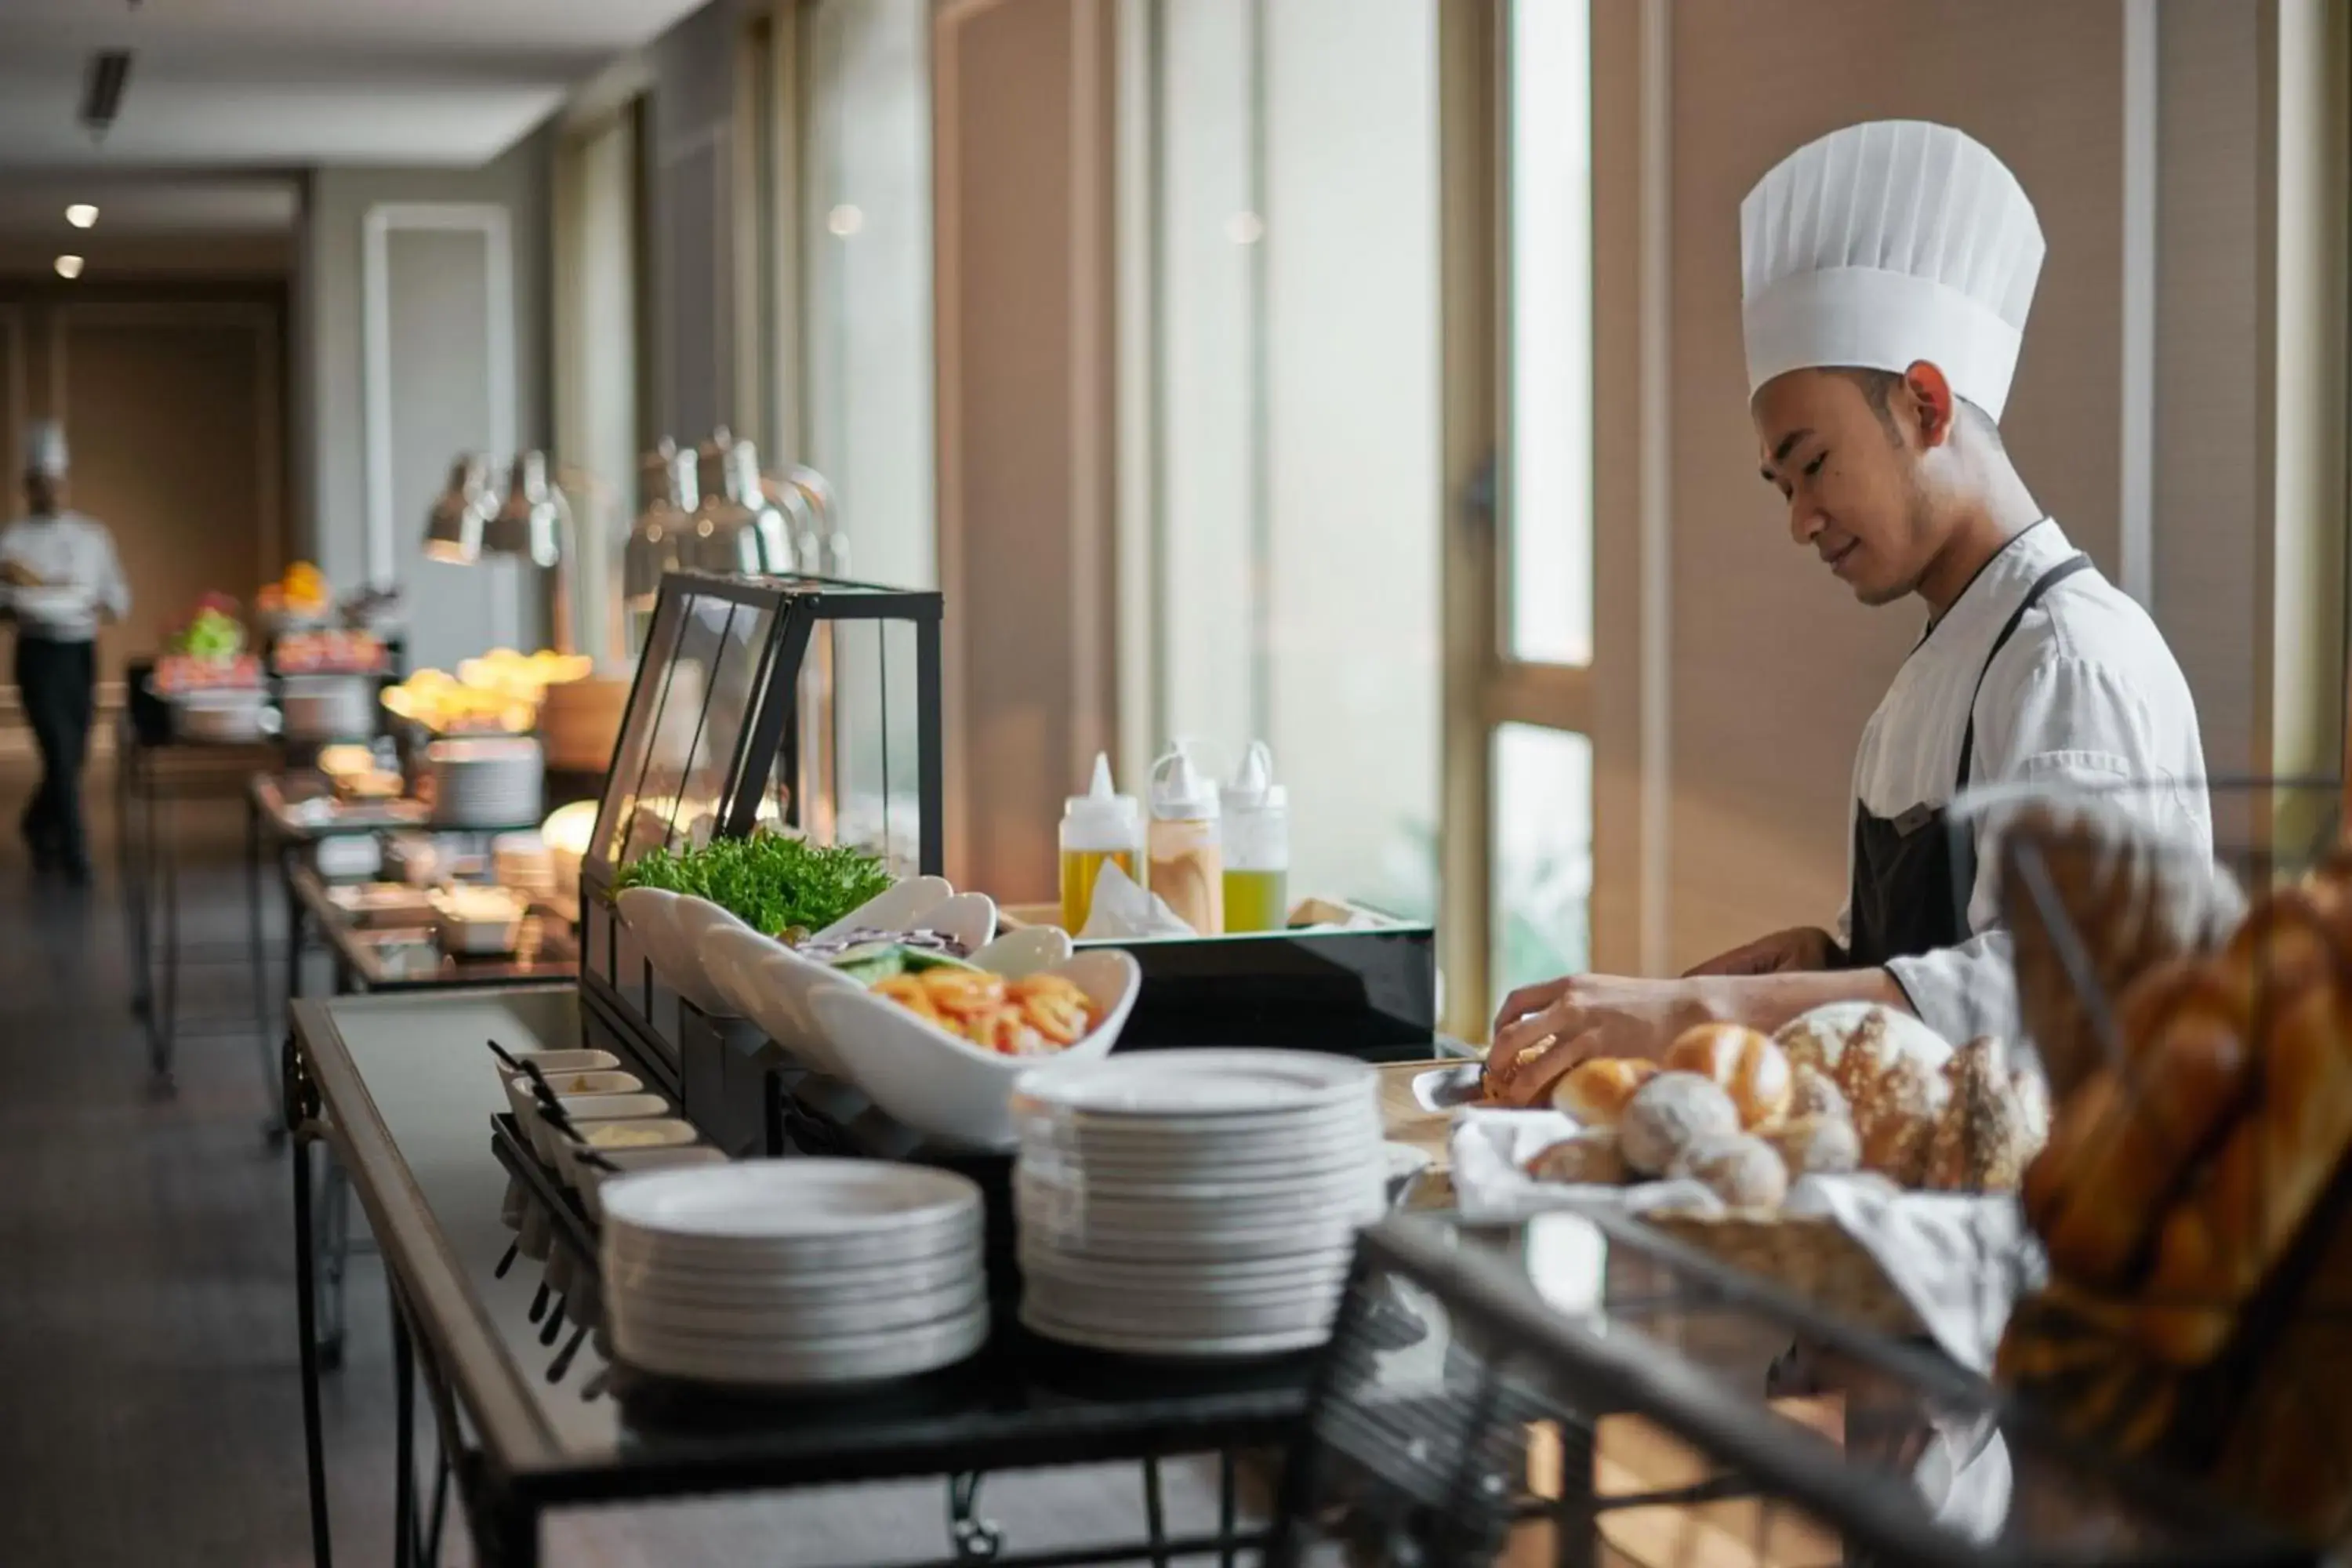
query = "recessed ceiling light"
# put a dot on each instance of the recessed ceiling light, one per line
(82, 215)
(68, 266)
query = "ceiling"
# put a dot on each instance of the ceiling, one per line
(283, 84)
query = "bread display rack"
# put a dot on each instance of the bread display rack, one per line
(2195, 1200)
(796, 704)
(1580, 1389)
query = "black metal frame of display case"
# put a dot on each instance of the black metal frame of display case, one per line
(771, 736)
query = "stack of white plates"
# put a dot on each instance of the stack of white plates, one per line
(487, 782)
(1194, 1202)
(794, 1273)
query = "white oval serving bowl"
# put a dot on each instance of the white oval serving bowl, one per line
(937, 1083)
(651, 915)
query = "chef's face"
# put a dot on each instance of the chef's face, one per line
(1851, 477)
(45, 493)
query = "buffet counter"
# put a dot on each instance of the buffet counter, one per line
(402, 1090)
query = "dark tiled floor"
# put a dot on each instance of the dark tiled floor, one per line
(148, 1405)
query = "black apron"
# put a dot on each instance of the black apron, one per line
(1910, 881)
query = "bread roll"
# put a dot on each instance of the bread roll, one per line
(1817, 1145)
(1595, 1092)
(1591, 1157)
(1669, 1114)
(2121, 1148)
(1748, 1067)
(1745, 1172)
(2288, 941)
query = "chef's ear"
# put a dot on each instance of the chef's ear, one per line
(1932, 404)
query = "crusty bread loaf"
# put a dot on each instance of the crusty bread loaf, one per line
(1813, 1092)
(1595, 1092)
(1747, 1064)
(1985, 1137)
(1896, 1112)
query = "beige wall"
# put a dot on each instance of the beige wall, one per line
(173, 405)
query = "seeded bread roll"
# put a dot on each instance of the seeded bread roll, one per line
(1596, 1092)
(1591, 1157)
(1745, 1172)
(1748, 1066)
(1669, 1114)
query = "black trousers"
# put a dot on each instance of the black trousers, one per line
(57, 681)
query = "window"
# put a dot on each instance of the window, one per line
(1291, 516)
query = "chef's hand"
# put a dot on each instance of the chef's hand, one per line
(1797, 949)
(1543, 1030)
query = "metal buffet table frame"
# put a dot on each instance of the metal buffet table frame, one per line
(402, 1088)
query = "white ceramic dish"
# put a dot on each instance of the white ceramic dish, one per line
(1442, 1090)
(729, 958)
(645, 1132)
(553, 1063)
(866, 1358)
(934, 1082)
(523, 1095)
(776, 983)
(697, 921)
(579, 1107)
(1185, 1347)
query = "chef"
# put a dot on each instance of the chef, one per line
(58, 577)
(1887, 268)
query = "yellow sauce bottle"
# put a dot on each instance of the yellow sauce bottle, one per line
(1256, 847)
(1099, 827)
(1187, 867)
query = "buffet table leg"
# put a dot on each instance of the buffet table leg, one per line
(404, 1441)
(1225, 1508)
(265, 1022)
(335, 1258)
(305, 1304)
(1155, 1513)
(164, 1027)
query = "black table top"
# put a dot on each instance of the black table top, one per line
(412, 1092)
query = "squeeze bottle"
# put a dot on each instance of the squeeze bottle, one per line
(1099, 826)
(1257, 845)
(1187, 859)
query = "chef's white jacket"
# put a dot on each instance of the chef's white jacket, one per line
(66, 551)
(2084, 693)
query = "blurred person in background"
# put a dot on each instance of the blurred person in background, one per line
(1887, 272)
(58, 578)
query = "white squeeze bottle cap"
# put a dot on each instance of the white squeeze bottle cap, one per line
(1101, 818)
(1178, 791)
(1254, 788)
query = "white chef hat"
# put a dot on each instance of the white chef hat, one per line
(45, 448)
(1885, 244)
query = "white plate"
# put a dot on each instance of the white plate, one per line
(937, 1083)
(1241, 1273)
(762, 1200)
(730, 956)
(1098, 1243)
(1217, 1084)
(751, 1265)
(1183, 1317)
(778, 1323)
(770, 1288)
(1359, 1167)
(1240, 1348)
(865, 1359)
(651, 915)
(1186, 1210)
(1441, 1090)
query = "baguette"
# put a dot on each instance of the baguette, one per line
(2123, 1146)
(2221, 1242)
